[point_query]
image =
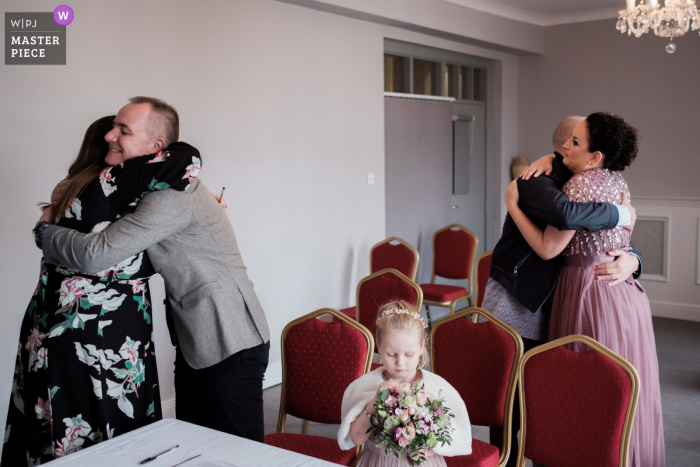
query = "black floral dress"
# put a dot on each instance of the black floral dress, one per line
(86, 367)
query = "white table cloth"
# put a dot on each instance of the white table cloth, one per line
(130, 449)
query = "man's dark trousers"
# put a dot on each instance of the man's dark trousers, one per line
(496, 433)
(227, 396)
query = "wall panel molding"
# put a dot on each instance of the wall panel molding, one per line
(676, 292)
(666, 201)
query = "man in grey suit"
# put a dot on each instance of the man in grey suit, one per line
(222, 336)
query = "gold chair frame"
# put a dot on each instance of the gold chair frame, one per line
(282, 418)
(476, 275)
(416, 255)
(468, 296)
(514, 371)
(399, 274)
(597, 346)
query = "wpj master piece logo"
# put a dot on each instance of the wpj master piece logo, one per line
(37, 38)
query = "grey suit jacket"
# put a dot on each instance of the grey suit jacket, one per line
(191, 243)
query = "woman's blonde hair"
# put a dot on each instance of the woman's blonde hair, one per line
(410, 320)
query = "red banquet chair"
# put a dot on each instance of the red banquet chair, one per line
(319, 360)
(377, 289)
(454, 251)
(395, 253)
(481, 362)
(483, 265)
(577, 408)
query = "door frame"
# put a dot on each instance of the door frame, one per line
(422, 52)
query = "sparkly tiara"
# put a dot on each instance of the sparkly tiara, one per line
(412, 314)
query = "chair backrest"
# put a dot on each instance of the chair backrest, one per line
(382, 287)
(319, 361)
(483, 266)
(480, 360)
(400, 256)
(454, 251)
(576, 408)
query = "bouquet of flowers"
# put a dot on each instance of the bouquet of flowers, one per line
(410, 422)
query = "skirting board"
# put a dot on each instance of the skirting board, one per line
(273, 377)
(675, 310)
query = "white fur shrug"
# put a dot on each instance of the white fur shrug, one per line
(364, 389)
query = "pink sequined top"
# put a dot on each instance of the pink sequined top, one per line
(596, 186)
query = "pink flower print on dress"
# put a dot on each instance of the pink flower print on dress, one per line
(107, 182)
(130, 350)
(72, 289)
(34, 340)
(138, 286)
(193, 169)
(43, 410)
(160, 157)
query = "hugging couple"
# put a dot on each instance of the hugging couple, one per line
(133, 205)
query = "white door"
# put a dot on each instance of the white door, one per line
(469, 169)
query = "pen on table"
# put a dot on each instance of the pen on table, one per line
(146, 461)
(187, 460)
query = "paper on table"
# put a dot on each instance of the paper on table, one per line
(202, 461)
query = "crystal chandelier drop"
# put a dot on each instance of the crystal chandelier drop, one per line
(674, 19)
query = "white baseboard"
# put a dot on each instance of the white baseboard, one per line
(273, 377)
(675, 310)
(168, 408)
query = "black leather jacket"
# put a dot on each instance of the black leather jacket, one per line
(526, 276)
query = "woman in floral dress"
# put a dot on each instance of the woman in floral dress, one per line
(86, 368)
(619, 317)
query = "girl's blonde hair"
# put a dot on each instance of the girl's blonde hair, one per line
(389, 321)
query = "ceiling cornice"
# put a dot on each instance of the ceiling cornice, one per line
(517, 14)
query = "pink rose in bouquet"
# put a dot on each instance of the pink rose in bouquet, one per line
(404, 430)
(422, 398)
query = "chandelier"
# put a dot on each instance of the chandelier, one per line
(674, 19)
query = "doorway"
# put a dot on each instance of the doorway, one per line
(466, 84)
(469, 169)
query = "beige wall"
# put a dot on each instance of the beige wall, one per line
(284, 102)
(589, 67)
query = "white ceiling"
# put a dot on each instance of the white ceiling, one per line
(547, 12)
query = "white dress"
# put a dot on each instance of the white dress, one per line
(364, 389)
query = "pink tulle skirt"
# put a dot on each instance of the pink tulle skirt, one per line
(618, 317)
(377, 457)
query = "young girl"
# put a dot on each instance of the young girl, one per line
(401, 344)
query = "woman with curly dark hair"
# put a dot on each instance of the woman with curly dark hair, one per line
(618, 317)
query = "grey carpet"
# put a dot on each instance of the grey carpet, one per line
(678, 348)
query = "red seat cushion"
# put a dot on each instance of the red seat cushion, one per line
(375, 366)
(377, 291)
(483, 455)
(576, 405)
(398, 257)
(319, 447)
(453, 254)
(326, 357)
(476, 359)
(442, 293)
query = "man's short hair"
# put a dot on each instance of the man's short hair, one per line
(163, 119)
(564, 129)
